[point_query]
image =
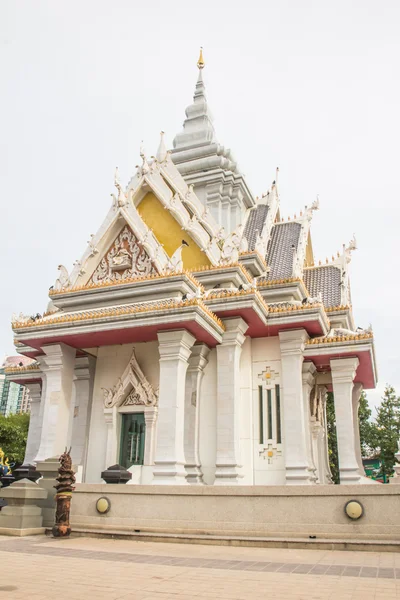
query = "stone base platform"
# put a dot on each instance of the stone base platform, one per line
(240, 514)
(362, 545)
(22, 532)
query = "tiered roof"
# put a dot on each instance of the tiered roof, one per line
(160, 260)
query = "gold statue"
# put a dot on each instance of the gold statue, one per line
(5, 466)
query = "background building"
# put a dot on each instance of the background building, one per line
(14, 398)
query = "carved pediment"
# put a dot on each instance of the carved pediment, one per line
(124, 260)
(131, 389)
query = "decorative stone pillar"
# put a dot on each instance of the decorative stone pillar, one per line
(83, 383)
(175, 348)
(315, 442)
(58, 366)
(110, 418)
(150, 419)
(295, 442)
(308, 378)
(35, 422)
(343, 373)
(194, 376)
(228, 464)
(357, 389)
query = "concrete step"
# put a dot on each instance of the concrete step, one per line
(256, 542)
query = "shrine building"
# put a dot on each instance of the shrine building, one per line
(195, 341)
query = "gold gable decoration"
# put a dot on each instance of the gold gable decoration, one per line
(125, 259)
(170, 233)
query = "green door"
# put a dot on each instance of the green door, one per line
(132, 440)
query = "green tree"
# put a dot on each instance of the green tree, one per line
(369, 435)
(332, 439)
(13, 436)
(388, 429)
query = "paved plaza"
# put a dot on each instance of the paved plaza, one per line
(84, 568)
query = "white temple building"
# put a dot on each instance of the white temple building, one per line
(195, 341)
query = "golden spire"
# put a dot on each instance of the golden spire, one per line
(200, 62)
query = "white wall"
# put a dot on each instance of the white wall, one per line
(110, 365)
(257, 354)
(267, 470)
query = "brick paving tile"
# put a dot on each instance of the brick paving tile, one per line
(126, 570)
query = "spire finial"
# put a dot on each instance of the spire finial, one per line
(200, 62)
(162, 151)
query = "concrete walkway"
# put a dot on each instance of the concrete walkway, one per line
(84, 568)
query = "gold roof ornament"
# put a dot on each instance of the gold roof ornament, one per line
(200, 62)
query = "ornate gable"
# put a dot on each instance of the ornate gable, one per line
(131, 389)
(124, 260)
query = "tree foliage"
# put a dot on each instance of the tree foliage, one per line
(388, 429)
(368, 433)
(378, 438)
(13, 436)
(332, 439)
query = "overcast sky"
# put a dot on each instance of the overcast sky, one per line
(311, 87)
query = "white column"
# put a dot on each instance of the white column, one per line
(228, 464)
(150, 417)
(58, 365)
(175, 348)
(315, 435)
(357, 389)
(294, 417)
(35, 422)
(343, 373)
(110, 418)
(83, 383)
(308, 378)
(194, 376)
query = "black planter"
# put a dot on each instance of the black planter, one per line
(116, 474)
(7, 480)
(27, 472)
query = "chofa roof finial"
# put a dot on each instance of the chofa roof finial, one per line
(200, 62)
(162, 150)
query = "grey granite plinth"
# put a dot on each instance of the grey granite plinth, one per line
(22, 512)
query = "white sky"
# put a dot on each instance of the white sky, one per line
(310, 86)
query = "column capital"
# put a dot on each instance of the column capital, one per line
(292, 341)
(82, 370)
(198, 359)
(235, 329)
(344, 369)
(308, 370)
(175, 344)
(54, 354)
(150, 415)
(35, 391)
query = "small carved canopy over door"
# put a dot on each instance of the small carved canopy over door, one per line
(131, 389)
